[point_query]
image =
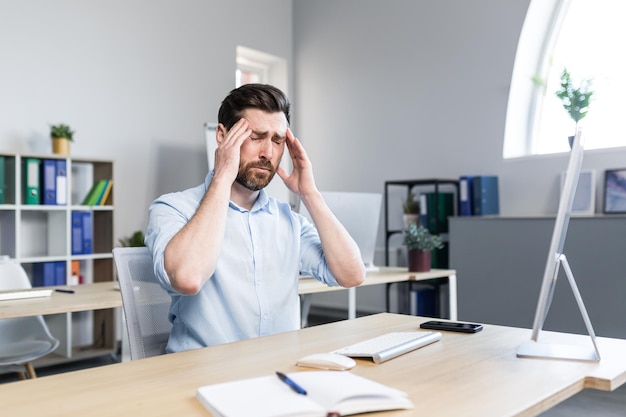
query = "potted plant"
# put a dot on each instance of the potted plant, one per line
(420, 243)
(61, 136)
(134, 241)
(575, 99)
(411, 210)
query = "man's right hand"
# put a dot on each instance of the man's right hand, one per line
(227, 154)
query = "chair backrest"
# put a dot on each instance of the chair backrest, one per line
(22, 339)
(13, 276)
(146, 304)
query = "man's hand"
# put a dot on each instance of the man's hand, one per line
(301, 181)
(228, 152)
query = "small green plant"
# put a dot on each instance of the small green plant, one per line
(61, 131)
(411, 205)
(418, 237)
(134, 241)
(575, 100)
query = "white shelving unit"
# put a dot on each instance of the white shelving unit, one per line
(37, 233)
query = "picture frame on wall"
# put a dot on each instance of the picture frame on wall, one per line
(585, 196)
(615, 191)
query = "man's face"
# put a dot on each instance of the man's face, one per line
(262, 151)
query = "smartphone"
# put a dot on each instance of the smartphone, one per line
(452, 326)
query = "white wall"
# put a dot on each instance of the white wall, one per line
(405, 89)
(136, 79)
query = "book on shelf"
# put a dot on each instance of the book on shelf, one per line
(105, 193)
(486, 200)
(435, 208)
(465, 196)
(94, 195)
(327, 393)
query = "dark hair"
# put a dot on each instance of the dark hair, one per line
(252, 96)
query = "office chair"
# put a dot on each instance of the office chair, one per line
(22, 339)
(146, 304)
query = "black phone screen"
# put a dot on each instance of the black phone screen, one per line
(452, 326)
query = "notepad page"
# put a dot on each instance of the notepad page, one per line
(261, 397)
(350, 393)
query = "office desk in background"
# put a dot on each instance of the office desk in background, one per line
(86, 297)
(385, 275)
(103, 295)
(463, 374)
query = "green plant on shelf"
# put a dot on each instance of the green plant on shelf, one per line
(61, 131)
(411, 205)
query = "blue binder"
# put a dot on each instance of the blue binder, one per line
(49, 181)
(77, 233)
(43, 274)
(485, 195)
(61, 182)
(87, 232)
(465, 196)
(59, 273)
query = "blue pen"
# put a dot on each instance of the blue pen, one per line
(297, 388)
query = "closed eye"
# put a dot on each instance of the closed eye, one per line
(278, 140)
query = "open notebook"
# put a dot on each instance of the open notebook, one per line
(328, 392)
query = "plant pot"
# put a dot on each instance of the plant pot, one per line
(419, 260)
(61, 146)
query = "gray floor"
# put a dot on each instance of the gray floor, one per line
(592, 403)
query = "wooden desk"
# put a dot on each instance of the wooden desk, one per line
(87, 297)
(461, 375)
(100, 297)
(386, 275)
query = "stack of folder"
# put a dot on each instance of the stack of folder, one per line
(99, 193)
(82, 232)
(478, 195)
(48, 273)
(45, 181)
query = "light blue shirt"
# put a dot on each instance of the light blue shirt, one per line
(254, 290)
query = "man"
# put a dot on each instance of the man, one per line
(228, 254)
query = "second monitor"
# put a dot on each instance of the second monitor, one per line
(360, 215)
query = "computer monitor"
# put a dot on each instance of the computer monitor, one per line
(556, 258)
(360, 214)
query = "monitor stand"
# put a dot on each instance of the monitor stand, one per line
(534, 349)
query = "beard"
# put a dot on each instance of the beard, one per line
(255, 180)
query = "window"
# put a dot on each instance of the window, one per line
(259, 67)
(249, 72)
(585, 37)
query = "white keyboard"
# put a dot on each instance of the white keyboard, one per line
(389, 345)
(15, 295)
